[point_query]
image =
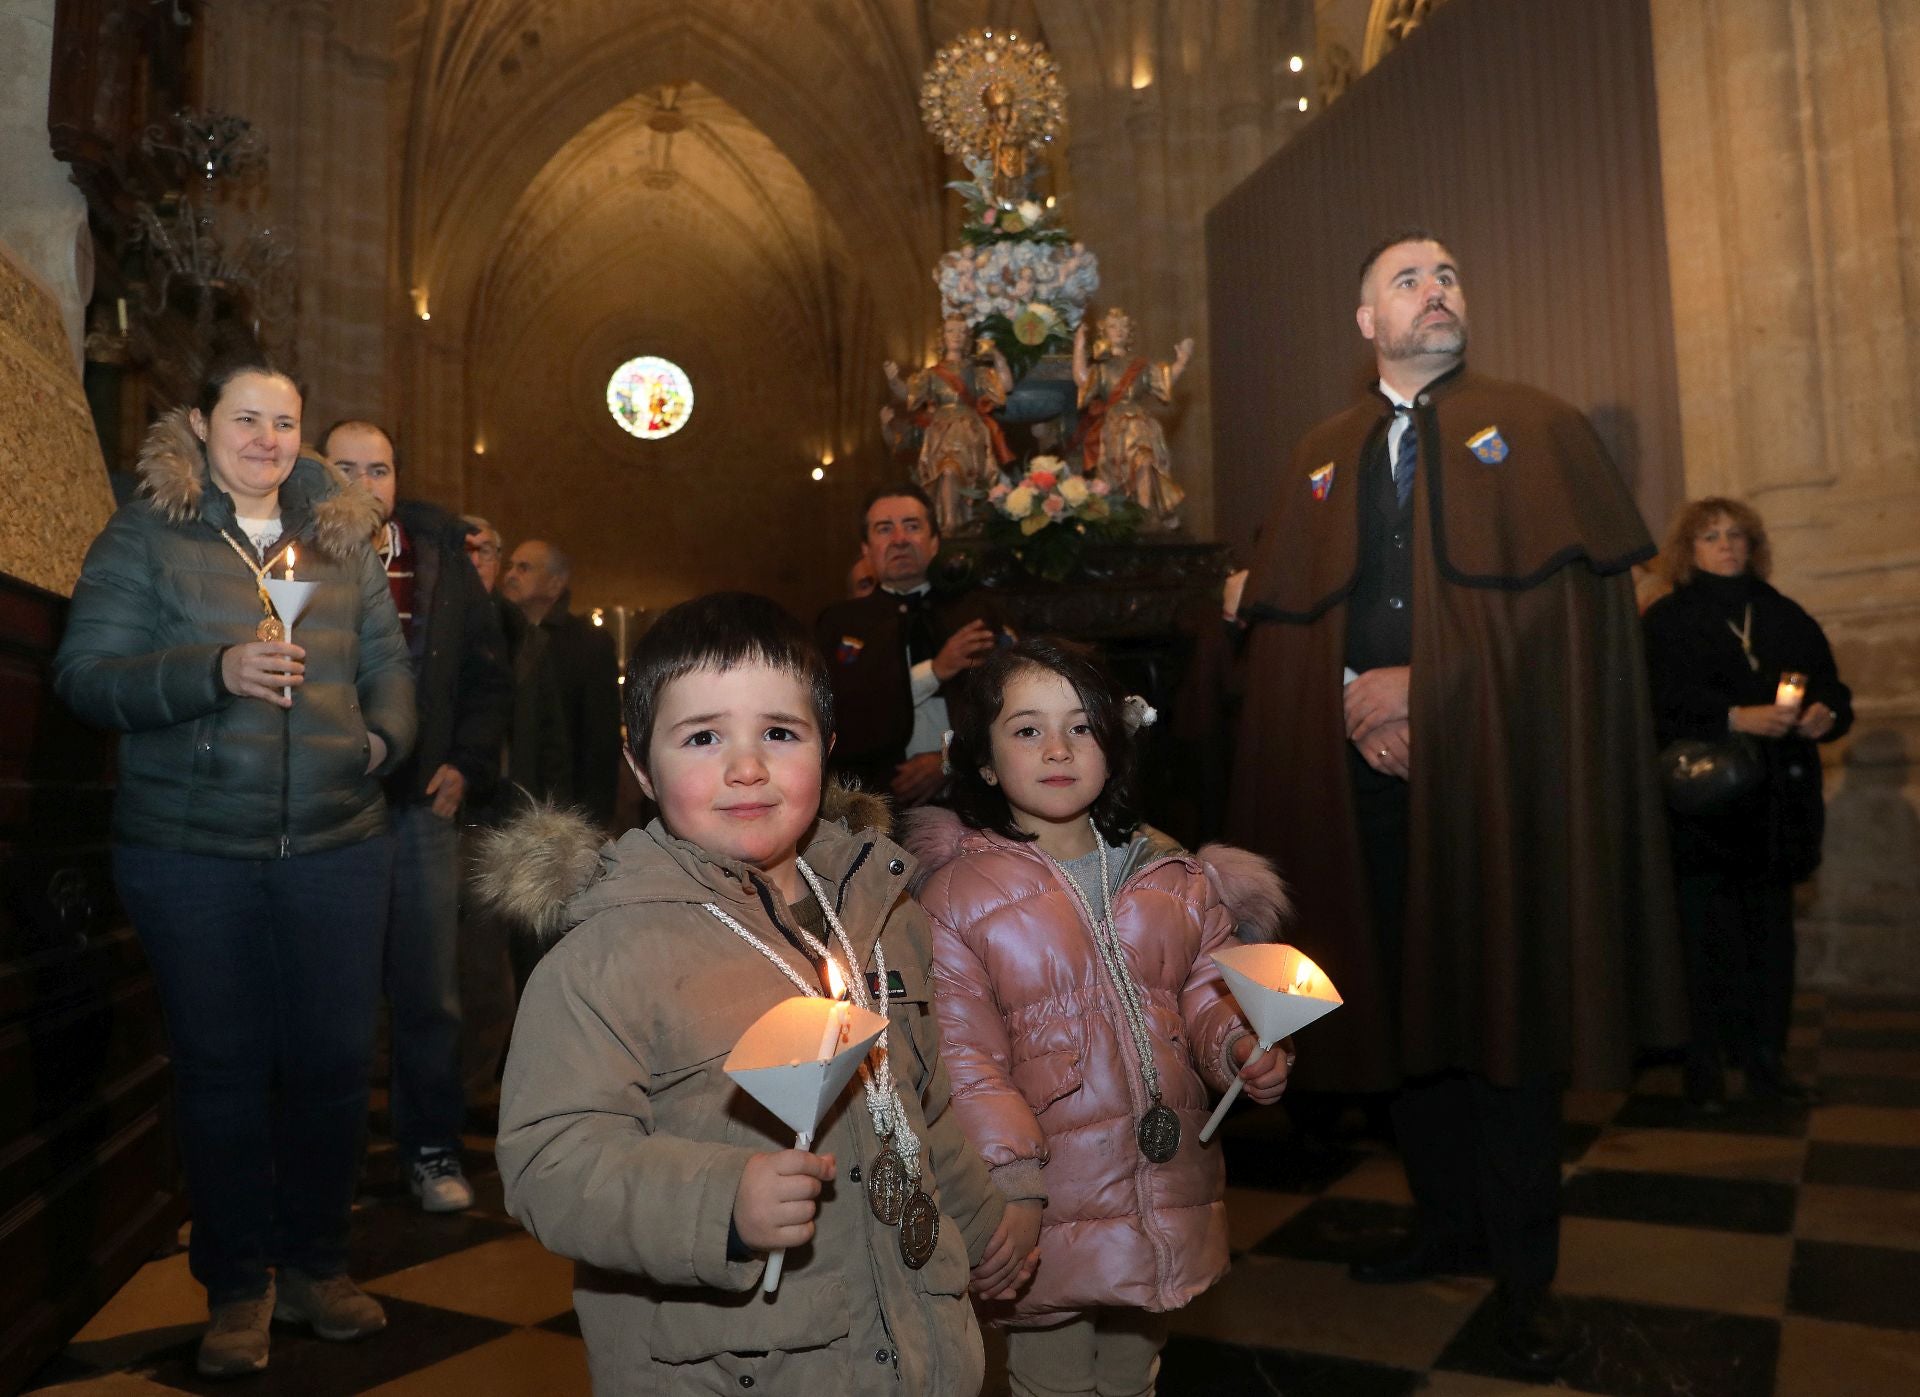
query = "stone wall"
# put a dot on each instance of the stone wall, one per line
(1170, 106)
(313, 78)
(1790, 140)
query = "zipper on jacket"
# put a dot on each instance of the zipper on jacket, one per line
(840, 898)
(286, 783)
(769, 904)
(1136, 1079)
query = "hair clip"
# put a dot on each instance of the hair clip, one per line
(946, 752)
(1137, 713)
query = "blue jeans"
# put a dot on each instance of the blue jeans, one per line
(423, 983)
(269, 979)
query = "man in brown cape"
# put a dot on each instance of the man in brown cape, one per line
(1449, 560)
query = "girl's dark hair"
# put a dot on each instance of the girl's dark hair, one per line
(226, 367)
(720, 631)
(978, 708)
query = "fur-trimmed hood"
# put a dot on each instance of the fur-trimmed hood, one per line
(533, 871)
(1246, 884)
(174, 476)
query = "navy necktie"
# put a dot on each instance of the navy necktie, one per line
(1406, 460)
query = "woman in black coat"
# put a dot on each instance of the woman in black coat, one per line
(1717, 647)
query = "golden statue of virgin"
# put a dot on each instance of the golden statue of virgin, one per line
(995, 101)
(1123, 443)
(952, 401)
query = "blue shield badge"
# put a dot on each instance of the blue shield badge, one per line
(1488, 445)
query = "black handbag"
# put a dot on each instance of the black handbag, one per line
(1698, 776)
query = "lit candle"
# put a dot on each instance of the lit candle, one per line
(1304, 983)
(288, 689)
(834, 1032)
(1793, 689)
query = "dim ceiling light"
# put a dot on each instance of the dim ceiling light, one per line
(819, 473)
(1296, 63)
(599, 617)
(1303, 104)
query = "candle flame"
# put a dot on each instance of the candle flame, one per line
(289, 562)
(836, 982)
(1303, 976)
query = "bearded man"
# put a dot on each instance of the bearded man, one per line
(1446, 745)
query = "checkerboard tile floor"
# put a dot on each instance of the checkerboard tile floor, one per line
(1770, 1252)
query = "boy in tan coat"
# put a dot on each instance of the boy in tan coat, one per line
(623, 1143)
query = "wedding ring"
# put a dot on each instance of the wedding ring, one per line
(1383, 754)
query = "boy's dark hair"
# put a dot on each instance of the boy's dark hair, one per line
(1380, 249)
(720, 631)
(901, 490)
(982, 806)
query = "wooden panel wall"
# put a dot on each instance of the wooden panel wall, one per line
(88, 1178)
(1524, 132)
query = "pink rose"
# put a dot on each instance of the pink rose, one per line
(999, 492)
(989, 216)
(1054, 506)
(1100, 487)
(1043, 480)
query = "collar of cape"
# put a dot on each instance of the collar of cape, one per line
(1557, 500)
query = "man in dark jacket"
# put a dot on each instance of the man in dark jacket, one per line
(896, 653)
(1445, 745)
(464, 690)
(539, 760)
(538, 580)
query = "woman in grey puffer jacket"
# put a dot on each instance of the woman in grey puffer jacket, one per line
(250, 844)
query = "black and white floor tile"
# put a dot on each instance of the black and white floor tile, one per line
(1773, 1251)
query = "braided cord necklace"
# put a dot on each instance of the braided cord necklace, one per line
(271, 627)
(893, 1189)
(1158, 1132)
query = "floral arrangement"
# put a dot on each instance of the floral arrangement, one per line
(1017, 279)
(1047, 517)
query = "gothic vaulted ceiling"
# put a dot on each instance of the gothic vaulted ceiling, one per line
(741, 186)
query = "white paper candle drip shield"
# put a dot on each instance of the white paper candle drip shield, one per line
(290, 598)
(1280, 991)
(794, 1062)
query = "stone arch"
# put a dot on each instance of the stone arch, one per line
(1388, 25)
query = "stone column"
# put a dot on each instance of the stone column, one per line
(1790, 143)
(43, 216)
(315, 84)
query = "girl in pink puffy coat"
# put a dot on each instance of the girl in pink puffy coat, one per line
(1082, 1020)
